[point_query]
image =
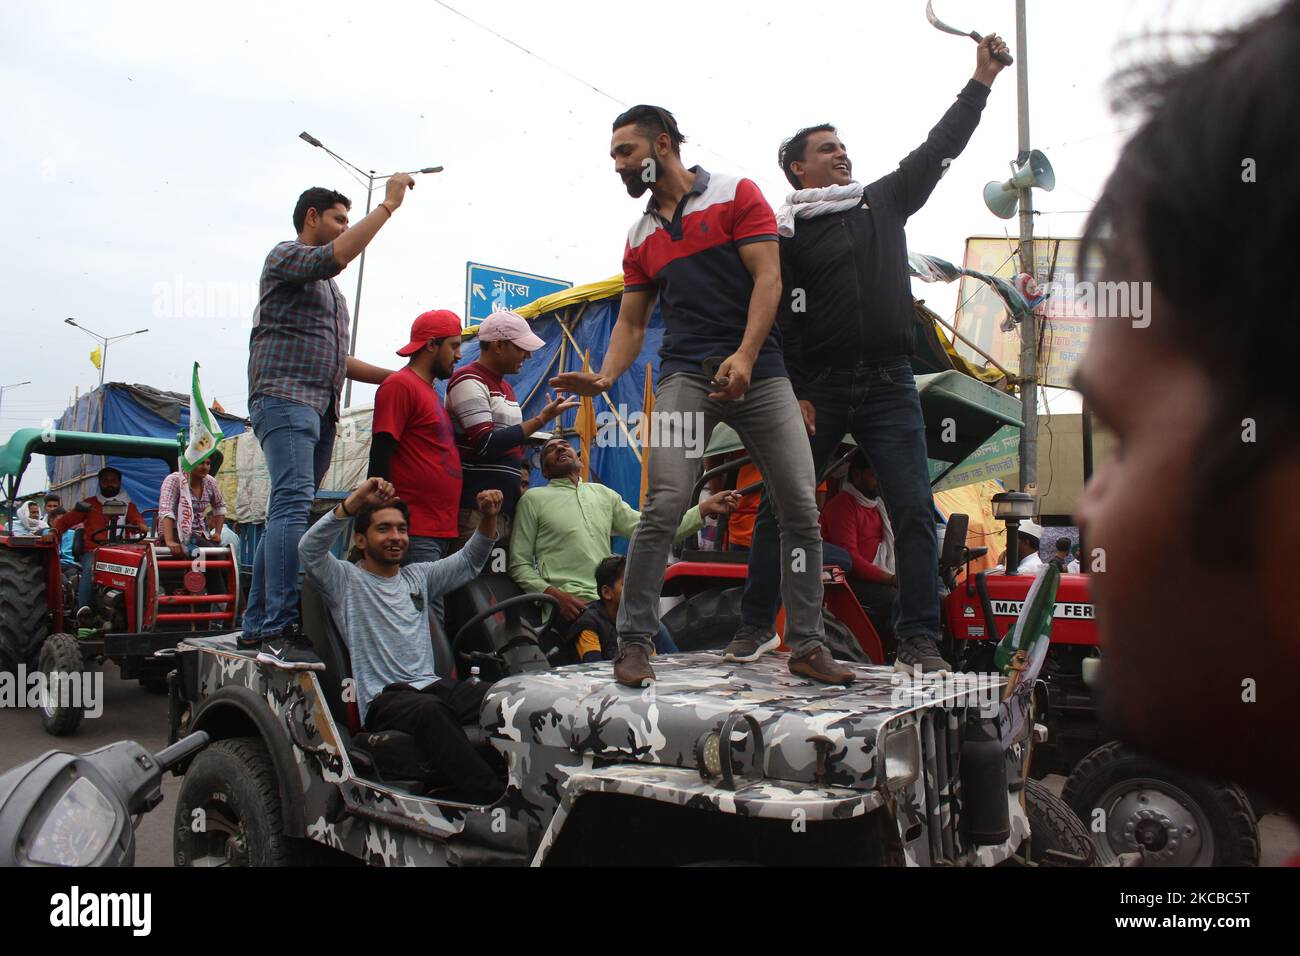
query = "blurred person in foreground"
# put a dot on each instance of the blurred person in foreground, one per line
(1201, 646)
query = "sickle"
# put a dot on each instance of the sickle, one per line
(938, 24)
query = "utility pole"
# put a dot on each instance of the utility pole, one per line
(1029, 327)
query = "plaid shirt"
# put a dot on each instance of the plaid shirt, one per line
(299, 345)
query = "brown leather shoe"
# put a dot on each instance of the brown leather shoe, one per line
(820, 666)
(632, 666)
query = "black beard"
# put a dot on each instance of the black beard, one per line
(380, 557)
(636, 186)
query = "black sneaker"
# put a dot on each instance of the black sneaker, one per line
(920, 654)
(290, 650)
(750, 643)
(243, 643)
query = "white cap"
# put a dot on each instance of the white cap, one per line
(1032, 528)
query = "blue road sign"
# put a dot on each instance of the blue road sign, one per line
(489, 289)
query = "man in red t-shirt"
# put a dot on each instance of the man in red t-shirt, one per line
(413, 444)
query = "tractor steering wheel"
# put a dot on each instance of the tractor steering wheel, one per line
(519, 600)
(115, 534)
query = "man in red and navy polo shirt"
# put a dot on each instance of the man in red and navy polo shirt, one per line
(706, 245)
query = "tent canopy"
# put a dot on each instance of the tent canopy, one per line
(129, 412)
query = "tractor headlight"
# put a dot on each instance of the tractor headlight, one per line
(76, 830)
(901, 754)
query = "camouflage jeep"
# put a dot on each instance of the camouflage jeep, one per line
(716, 763)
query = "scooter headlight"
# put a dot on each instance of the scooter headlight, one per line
(77, 829)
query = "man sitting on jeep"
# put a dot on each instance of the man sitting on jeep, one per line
(382, 610)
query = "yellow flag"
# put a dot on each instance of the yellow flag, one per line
(96, 357)
(647, 409)
(585, 425)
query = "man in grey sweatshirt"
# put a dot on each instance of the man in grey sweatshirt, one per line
(382, 611)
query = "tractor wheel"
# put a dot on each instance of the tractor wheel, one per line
(62, 665)
(1054, 826)
(23, 621)
(228, 811)
(706, 621)
(1131, 802)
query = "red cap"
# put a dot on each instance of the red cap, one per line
(438, 324)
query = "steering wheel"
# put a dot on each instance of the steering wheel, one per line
(519, 600)
(115, 534)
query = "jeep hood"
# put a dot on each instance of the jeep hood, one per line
(582, 709)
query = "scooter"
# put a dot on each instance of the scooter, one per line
(65, 809)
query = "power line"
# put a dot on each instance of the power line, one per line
(596, 89)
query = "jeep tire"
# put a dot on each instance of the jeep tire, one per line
(228, 810)
(1054, 826)
(1180, 819)
(61, 663)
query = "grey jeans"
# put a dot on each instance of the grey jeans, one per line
(768, 422)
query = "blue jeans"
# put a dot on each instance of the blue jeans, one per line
(86, 586)
(431, 549)
(297, 444)
(878, 404)
(663, 641)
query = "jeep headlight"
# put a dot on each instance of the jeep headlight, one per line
(901, 754)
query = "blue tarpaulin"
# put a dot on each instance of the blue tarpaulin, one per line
(126, 410)
(613, 461)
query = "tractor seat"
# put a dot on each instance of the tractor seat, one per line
(390, 756)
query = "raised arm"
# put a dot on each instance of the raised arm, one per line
(920, 171)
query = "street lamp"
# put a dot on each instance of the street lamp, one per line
(104, 341)
(4, 387)
(1013, 507)
(371, 181)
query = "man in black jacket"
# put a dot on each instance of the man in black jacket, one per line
(846, 319)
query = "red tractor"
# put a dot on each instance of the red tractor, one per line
(1130, 802)
(144, 602)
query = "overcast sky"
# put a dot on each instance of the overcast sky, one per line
(153, 147)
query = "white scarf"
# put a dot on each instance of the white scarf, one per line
(819, 201)
(884, 558)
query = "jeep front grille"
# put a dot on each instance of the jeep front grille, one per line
(940, 749)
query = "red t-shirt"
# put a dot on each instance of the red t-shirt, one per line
(425, 469)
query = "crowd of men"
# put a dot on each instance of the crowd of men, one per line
(445, 478)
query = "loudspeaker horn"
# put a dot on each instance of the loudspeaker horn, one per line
(1035, 172)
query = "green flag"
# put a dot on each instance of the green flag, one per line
(205, 432)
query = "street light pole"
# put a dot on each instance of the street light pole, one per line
(105, 341)
(1028, 327)
(4, 388)
(371, 180)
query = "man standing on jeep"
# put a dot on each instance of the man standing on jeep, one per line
(706, 246)
(381, 607)
(297, 361)
(846, 320)
(413, 442)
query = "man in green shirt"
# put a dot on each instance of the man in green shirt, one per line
(562, 529)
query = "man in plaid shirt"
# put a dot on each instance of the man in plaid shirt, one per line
(297, 361)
